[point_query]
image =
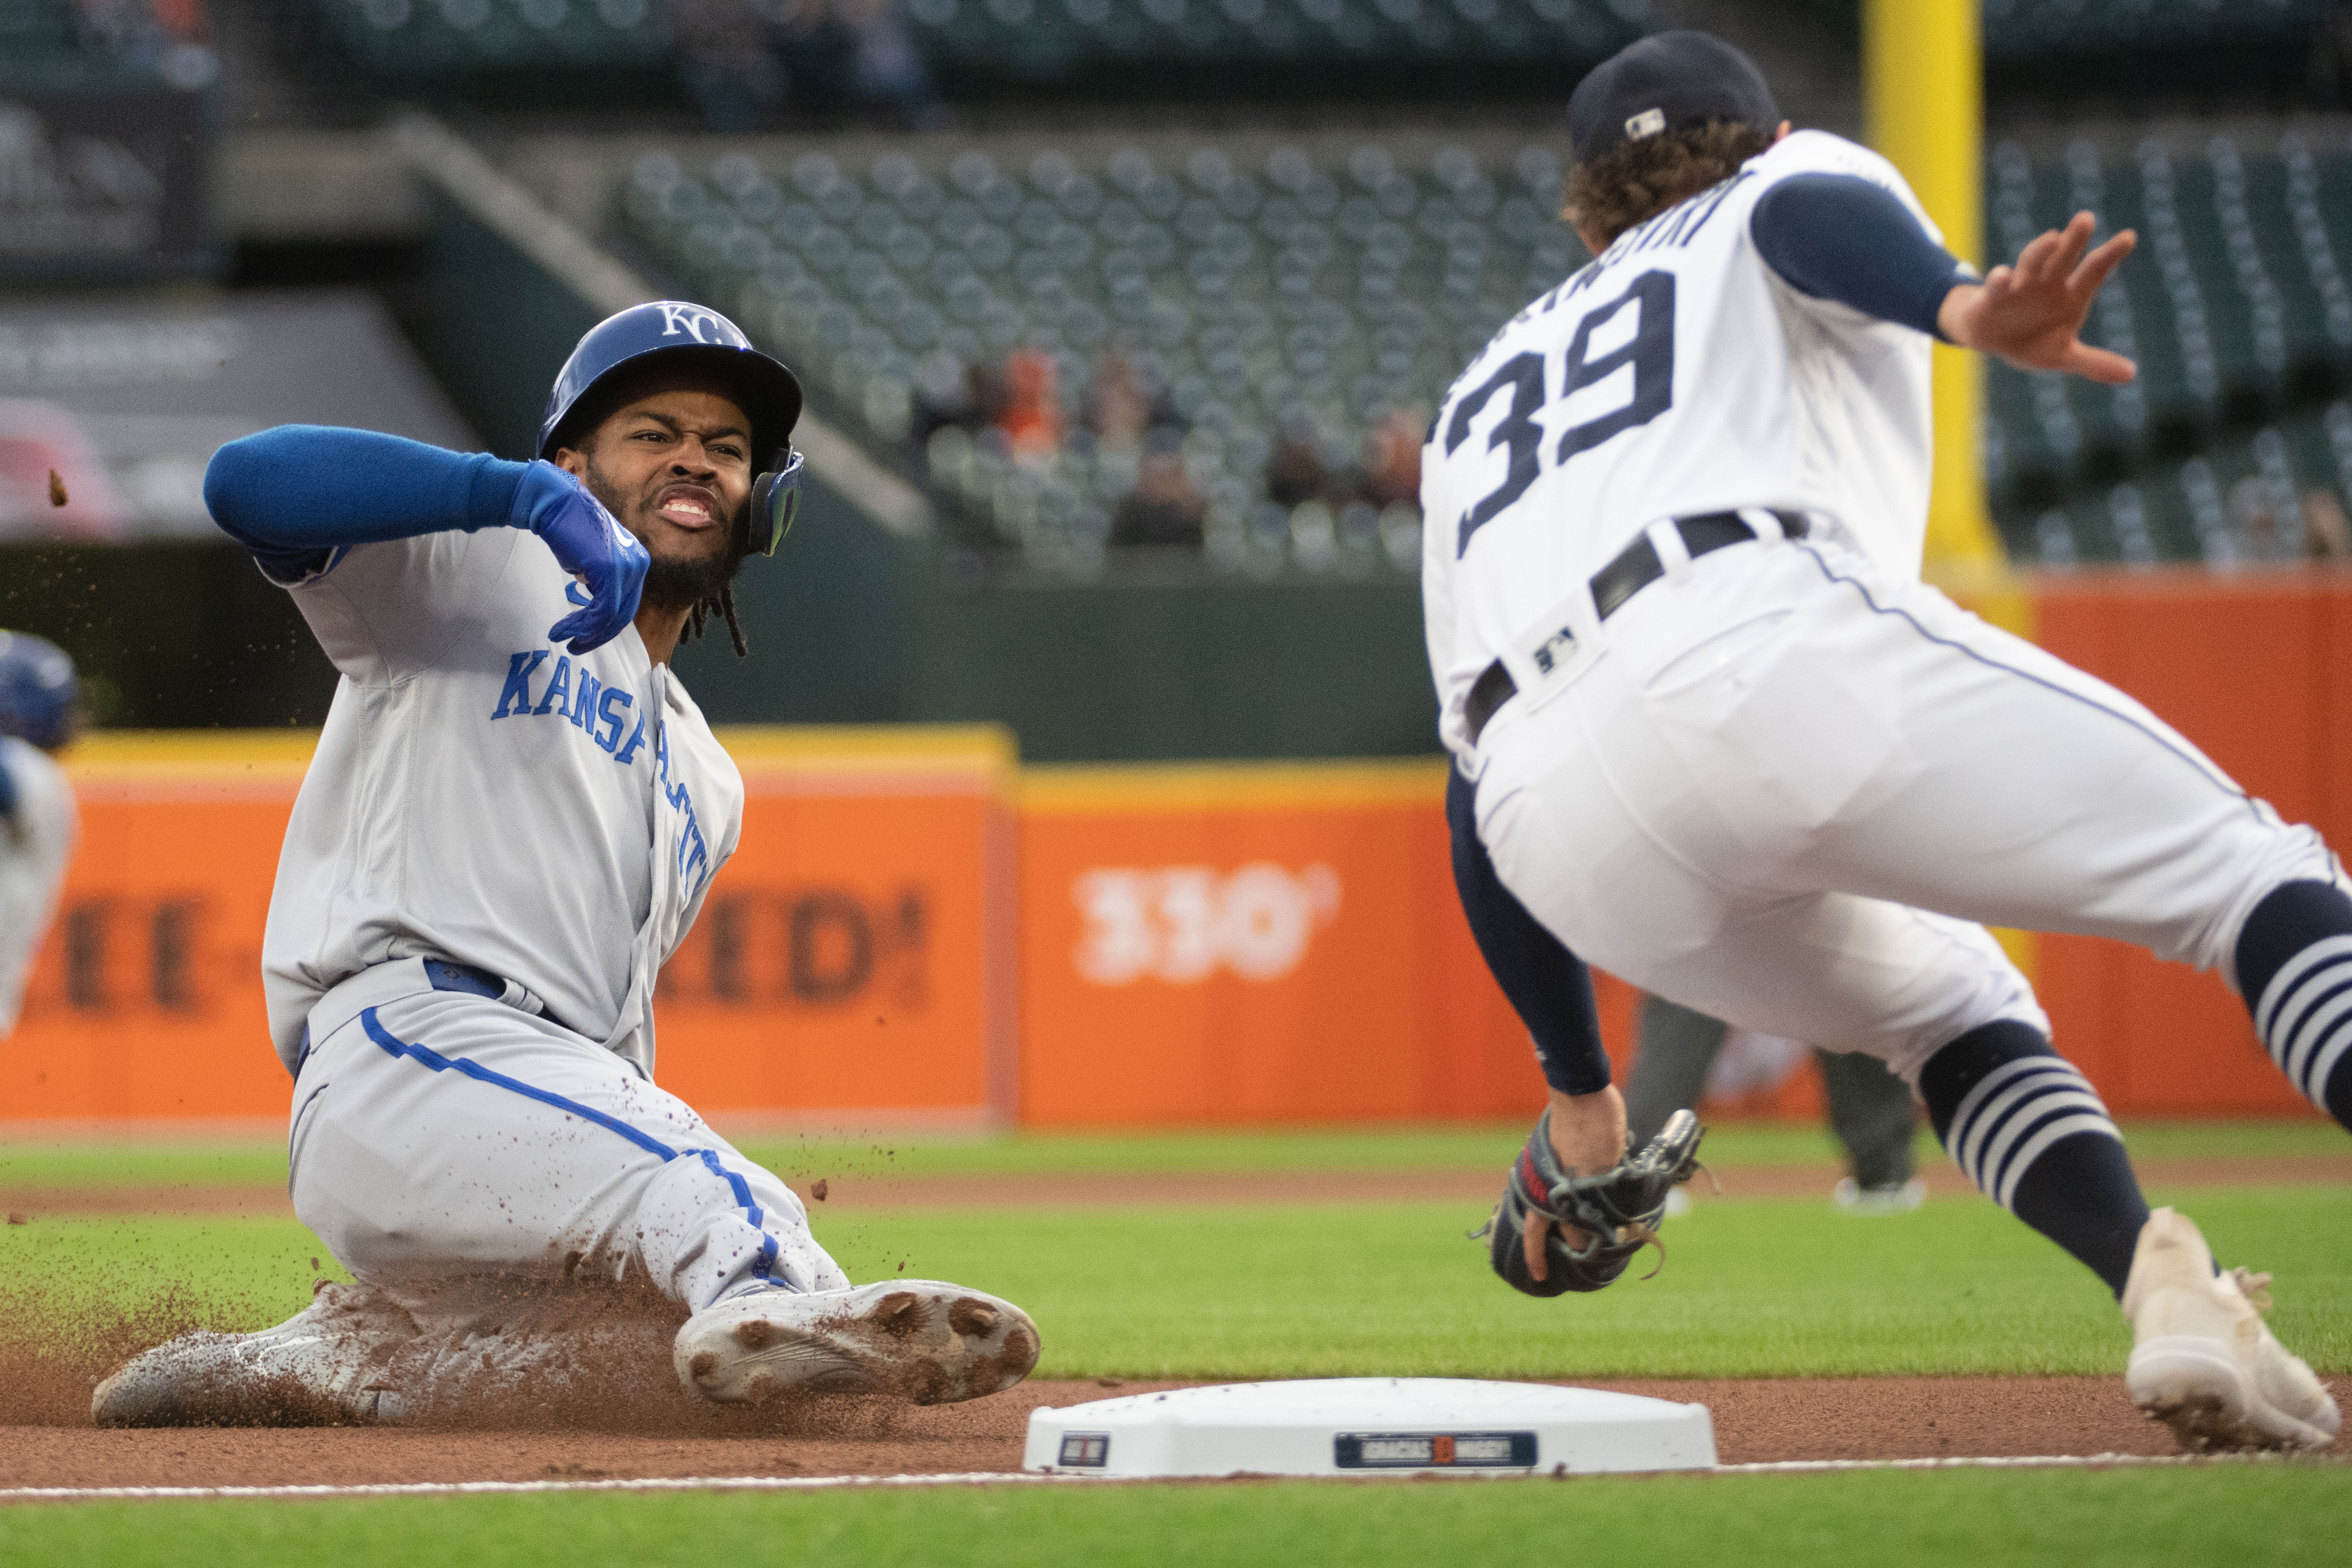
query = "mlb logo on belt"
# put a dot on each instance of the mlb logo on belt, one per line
(1555, 648)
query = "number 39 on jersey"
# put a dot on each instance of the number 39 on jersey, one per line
(1616, 375)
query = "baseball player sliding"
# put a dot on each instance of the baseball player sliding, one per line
(1716, 736)
(514, 814)
(39, 716)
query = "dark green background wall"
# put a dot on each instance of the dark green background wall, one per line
(848, 624)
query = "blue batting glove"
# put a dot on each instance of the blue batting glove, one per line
(588, 542)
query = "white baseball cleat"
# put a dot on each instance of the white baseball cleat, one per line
(2203, 1362)
(319, 1368)
(1896, 1197)
(928, 1341)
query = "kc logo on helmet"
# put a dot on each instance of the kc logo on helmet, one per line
(693, 320)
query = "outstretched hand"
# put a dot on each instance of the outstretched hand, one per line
(2031, 314)
(588, 542)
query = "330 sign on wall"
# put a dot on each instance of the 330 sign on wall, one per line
(1180, 924)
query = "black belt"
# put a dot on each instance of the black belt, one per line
(474, 981)
(1635, 568)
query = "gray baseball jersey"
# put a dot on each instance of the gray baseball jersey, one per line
(481, 796)
(33, 858)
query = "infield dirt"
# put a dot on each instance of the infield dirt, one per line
(1755, 1419)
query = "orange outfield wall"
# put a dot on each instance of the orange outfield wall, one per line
(1252, 944)
(2255, 668)
(850, 960)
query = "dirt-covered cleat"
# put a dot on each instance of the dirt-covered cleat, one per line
(925, 1341)
(2203, 1362)
(322, 1367)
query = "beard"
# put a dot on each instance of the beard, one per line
(674, 585)
(682, 584)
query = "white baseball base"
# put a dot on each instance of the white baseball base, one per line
(1370, 1425)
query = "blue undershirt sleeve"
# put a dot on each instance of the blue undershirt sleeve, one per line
(1548, 987)
(295, 495)
(1843, 237)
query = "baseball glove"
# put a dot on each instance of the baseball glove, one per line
(1618, 1211)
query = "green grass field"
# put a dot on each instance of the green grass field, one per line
(165, 1163)
(1751, 1287)
(1763, 1285)
(2282, 1514)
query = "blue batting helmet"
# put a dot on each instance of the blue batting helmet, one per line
(674, 332)
(37, 691)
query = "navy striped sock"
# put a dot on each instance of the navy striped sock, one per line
(2030, 1131)
(2295, 971)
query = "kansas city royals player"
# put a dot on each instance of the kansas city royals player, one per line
(38, 716)
(513, 816)
(1725, 745)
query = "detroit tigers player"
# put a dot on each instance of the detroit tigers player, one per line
(513, 816)
(38, 716)
(1725, 745)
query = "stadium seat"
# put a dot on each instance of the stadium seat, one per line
(2236, 307)
(1284, 296)
(2066, 49)
(1264, 50)
(1292, 294)
(45, 45)
(1268, 49)
(425, 44)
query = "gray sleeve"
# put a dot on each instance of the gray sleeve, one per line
(390, 610)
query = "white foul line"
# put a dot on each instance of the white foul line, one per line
(1022, 1478)
(479, 1488)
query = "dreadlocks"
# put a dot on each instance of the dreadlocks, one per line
(722, 602)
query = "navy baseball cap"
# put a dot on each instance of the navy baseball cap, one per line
(678, 331)
(1667, 81)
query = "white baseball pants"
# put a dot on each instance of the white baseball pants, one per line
(443, 1142)
(1786, 792)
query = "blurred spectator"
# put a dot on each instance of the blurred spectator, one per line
(818, 57)
(118, 27)
(184, 19)
(1164, 508)
(1030, 416)
(2331, 50)
(886, 72)
(1392, 460)
(2326, 531)
(167, 36)
(1295, 473)
(2259, 523)
(1123, 405)
(724, 63)
(850, 56)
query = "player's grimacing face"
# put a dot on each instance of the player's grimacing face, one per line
(673, 466)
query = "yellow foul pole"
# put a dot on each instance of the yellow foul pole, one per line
(1923, 107)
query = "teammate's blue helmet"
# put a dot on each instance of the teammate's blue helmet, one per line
(37, 691)
(677, 332)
